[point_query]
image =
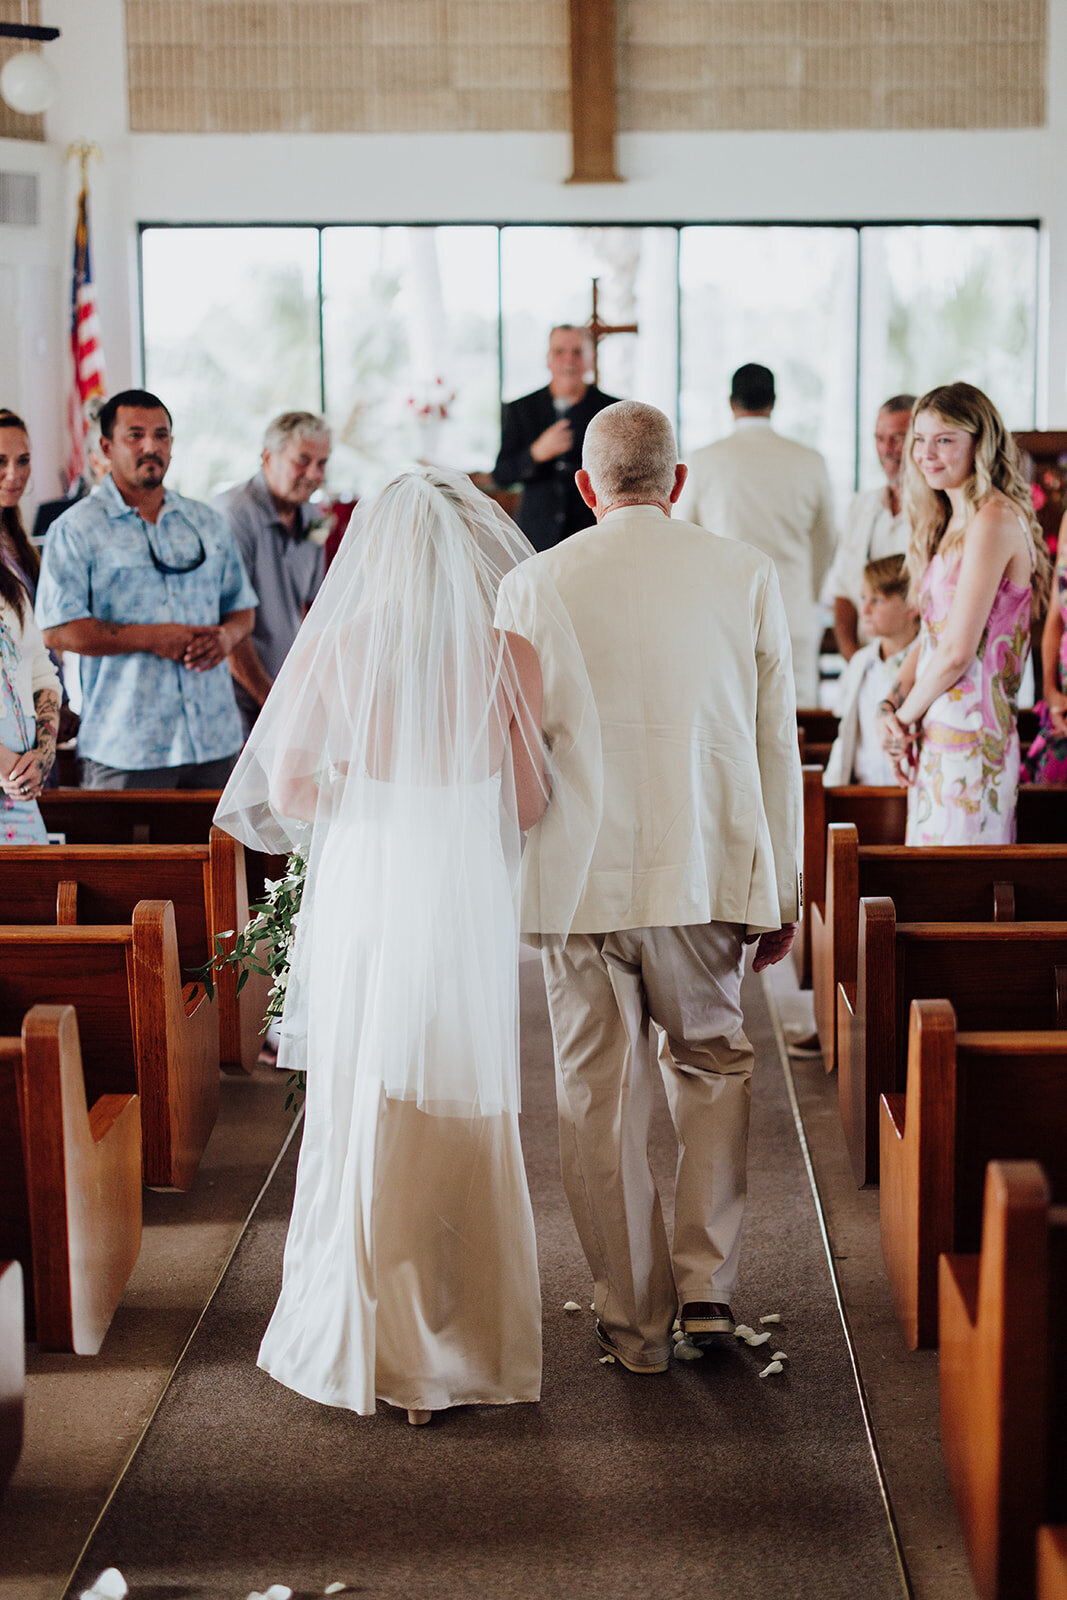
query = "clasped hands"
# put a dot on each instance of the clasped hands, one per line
(22, 775)
(900, 741)
(198, 648)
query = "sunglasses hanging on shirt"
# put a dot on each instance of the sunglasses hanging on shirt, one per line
(164, 566)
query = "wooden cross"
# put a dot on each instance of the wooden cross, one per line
(600, 330)
(594, 117)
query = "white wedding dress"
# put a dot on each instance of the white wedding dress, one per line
(397, 750)
(410, 1269)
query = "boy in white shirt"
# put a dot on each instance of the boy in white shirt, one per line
(891, 625)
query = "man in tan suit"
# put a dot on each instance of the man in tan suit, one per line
(685, 641)
(772, 493)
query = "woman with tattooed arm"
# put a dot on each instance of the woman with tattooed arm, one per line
(29, 683)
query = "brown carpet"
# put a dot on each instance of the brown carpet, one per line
(705, 1481)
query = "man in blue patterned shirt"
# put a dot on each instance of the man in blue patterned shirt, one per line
(148, 589)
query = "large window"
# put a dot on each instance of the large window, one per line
(410, 337)
(785, 297)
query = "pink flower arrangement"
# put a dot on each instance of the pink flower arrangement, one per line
(433, 403)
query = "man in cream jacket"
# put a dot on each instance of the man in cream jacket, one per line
(772, 493)
(686, 645)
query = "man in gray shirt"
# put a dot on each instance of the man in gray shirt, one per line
(270, 518)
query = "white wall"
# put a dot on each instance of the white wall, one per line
(479, 177)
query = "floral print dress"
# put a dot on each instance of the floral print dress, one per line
(1046, 759)
(20, 820)
(968, 773)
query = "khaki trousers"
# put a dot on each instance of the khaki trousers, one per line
(604, 991)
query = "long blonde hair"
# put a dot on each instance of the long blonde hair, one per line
(996, 467)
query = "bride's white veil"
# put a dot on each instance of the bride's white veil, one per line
(396, 751)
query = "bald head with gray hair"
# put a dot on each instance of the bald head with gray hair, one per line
(630, 455)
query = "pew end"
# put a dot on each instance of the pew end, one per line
(125, 982)
(72, 1197)
(834, 932)
(917, 1157)
(1001, 1316)
(1052, 1563)
(814, 796)
(241, 1024)
(865, 1036)
(12, 1370)
(180, 1036)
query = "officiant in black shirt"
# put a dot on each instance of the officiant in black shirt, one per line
(541, 441)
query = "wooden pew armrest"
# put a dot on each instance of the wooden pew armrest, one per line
(958, 1284)
(106, 1112)
(893, 1111)
(194, 995)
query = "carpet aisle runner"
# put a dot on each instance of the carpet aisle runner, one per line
(705, 1480)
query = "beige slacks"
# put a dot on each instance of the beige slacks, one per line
(604, 991)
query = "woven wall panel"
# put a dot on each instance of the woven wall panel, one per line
(424, 65)
(12, 124)
(803, 64)
(335, 65)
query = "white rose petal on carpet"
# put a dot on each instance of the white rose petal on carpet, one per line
(775, 1366)
(607, 1361)
(571, 1305)
(757, 1338)
(779, 1355)
(684, 1350)
(110, 1585)
(775, 1316)
(743, 1331)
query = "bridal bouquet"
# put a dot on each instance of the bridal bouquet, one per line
(265, 945)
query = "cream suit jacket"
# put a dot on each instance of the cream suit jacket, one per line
(686, 645)
(774, 494)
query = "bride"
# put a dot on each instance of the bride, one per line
(400, 750)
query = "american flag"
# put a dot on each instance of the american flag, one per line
(87, 377)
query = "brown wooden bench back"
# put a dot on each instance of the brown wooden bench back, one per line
(996, 975)
(88, 968)
(1011, 1104)
(110, 880)
(130, 816)
(940, 884)
(880, 817)
(146, 816)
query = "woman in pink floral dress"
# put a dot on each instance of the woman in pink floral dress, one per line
(1046, 759)
(976, 557)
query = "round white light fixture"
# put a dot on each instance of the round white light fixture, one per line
(28, 83)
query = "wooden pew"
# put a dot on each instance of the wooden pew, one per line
(130, 816)
(1009, 883)
(103, 884)
(971, 1098)
(145, 816)
(70, 1183)
(998, 975)
(816, 723)
(140, 1030)
(1052, 1563)
(880, 817)
(12, 1369)
(1003, 1327)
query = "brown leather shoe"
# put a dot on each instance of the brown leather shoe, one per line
(606, 1342)
(706, 1316)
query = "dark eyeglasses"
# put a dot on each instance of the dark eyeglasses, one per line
(165, 566)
